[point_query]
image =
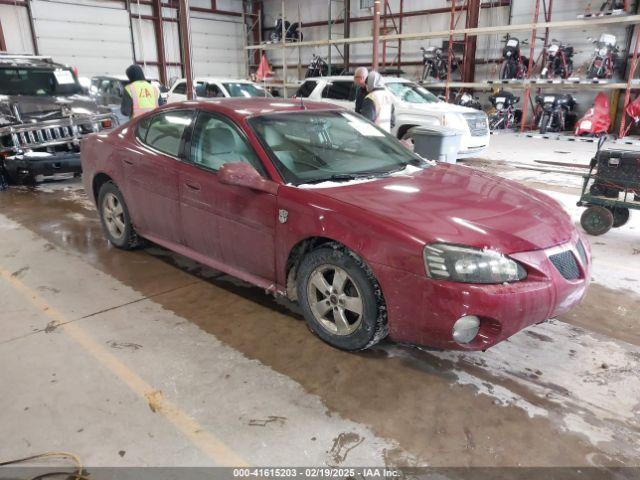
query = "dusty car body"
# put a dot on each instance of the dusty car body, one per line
(43, 117)
(438, 255)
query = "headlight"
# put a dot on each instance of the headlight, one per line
(470, 265)
(454, 120)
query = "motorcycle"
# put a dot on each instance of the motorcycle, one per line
(596, 121)
(318, 67)
(292, 32)
(514, 65)
(505, 114)
(610, 5)
(435, 63)
(467, 100)
(553, 111)
(559, 63)
(605, 60)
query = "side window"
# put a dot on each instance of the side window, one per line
(340, 91)
(181, 88)
(164, 131)
(211, 90)
(215, 142)
(306, 89)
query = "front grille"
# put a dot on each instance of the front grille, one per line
(477, 124)
(582, 252)
(33, 137)
(566, 264)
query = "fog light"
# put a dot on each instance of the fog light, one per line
(466, 328)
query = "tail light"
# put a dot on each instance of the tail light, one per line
(106, 123)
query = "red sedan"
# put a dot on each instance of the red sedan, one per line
(315, 203)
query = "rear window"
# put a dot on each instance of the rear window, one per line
(306, 89)
(38, 81)
(181, 88)
(340, 91)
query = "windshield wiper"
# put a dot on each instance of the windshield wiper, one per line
(336, 177)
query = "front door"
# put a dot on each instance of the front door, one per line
(235, 225)
(151, 171)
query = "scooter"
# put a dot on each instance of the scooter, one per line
(292, 32)
(605, 59)
(553, 111)
(596, 121)
(559, 63)
(514, 65)
(505, 115)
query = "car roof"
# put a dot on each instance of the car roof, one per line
(332, 78)
(112, 77)
(27, 60)
(248, 107)
(215, 79)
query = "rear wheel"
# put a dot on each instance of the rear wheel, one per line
(596, 220)
(115, 219)
(341, 299)
(620, 216)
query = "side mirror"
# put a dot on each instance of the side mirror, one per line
(242, 174)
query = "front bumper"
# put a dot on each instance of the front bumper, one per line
(35, 166)
(471, 146)
(422, 311)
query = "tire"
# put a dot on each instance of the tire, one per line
(361, 327)
(544, 122)
(596, 220)
(620, 216)
(115, 219)
(593, 72)
(506, 71)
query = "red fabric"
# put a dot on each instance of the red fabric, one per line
(597, 119)
(264, 70)
(633, 109)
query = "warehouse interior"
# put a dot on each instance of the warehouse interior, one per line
(442, 281)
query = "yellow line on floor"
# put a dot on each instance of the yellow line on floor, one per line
(208, 443)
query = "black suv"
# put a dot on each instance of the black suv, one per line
(43, 117)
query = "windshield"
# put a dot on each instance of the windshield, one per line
(310, 147)
(38, 81)
(411, 93)
(245, 90)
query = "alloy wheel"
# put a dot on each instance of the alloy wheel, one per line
(113, 215)
(335, 301)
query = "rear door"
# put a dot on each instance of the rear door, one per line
(151, 174)
(231, 224)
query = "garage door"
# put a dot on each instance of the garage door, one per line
(93, 36)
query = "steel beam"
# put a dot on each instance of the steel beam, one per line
(158, 29)
(470, 42)
(376, 33)
(185, 44)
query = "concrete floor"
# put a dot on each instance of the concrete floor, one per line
(146, 358)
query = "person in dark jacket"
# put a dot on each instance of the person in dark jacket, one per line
(139, 95)
(360, 79)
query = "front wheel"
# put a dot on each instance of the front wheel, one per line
(341, 300)
(506, 70)
(115, 219)
(596, 220)
(544, 122)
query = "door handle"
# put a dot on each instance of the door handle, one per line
(193, 186)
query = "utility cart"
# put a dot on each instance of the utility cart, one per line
(611, 189)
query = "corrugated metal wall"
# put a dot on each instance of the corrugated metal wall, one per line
(97, 37)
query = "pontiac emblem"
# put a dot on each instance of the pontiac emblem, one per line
(283, 215)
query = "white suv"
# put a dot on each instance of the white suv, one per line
(413, 106)
(209, 87)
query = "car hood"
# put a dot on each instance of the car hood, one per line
(41, 108)
(456, 204)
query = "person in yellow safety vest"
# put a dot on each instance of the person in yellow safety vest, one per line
(378, 104)
(140, 96)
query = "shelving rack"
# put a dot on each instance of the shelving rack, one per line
(472, 30)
